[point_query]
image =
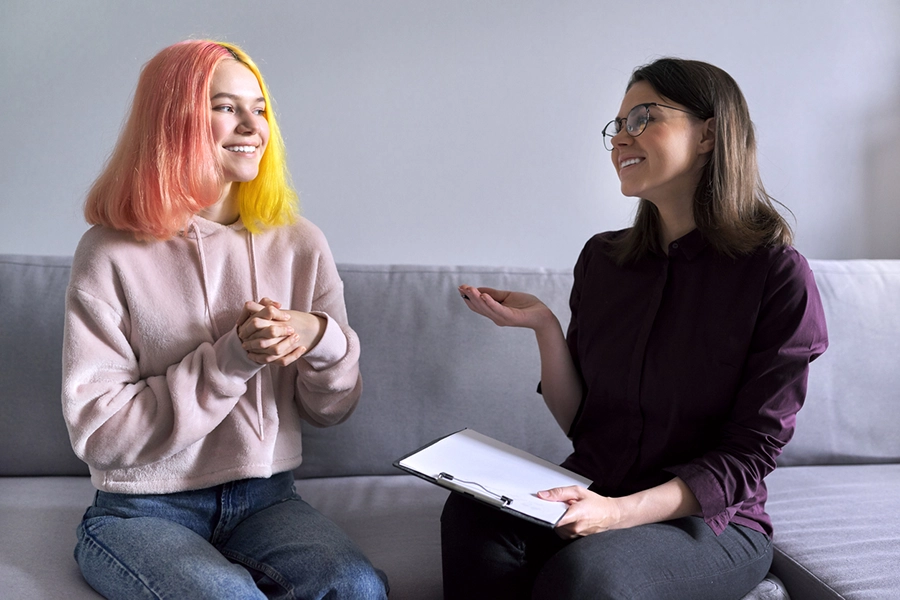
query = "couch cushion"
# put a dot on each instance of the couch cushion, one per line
(852, 409)
(39, 516)
(33, 436)
(396, 522)
(837, 534)
(430, 366)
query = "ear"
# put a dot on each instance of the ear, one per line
(707, 136)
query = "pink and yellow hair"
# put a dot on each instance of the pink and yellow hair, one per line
(164, 168)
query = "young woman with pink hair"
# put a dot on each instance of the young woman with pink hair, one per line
(205, 321)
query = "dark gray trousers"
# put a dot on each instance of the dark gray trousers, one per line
(489, 554)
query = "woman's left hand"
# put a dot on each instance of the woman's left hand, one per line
(588, 512)
(273, 335)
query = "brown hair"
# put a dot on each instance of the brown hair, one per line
(731, 207)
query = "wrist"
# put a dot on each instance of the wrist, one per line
(621, 513)
(546, 324)
(308, 327)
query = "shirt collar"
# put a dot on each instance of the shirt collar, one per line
(688, 245)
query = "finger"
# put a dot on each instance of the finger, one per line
(291, 356)
(270, 312)
(495, 311)
(260, 329)
(477, 298)
(255, 328)
(473, 298)
(571, 493)
(273, 311)
(284, 346)
(284, 352)
(565, 527)
(271, 354)
(467, 292)
(267, 340)
(249, 308)
(572, 524)
(245, 313)
(498, 295)
(481, 301)
(470, 292)
(270, 302)
(492, 305)
(287, 345)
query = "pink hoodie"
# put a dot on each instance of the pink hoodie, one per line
(158, 394)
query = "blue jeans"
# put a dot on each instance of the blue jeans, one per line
(253, 538)
(490, 554)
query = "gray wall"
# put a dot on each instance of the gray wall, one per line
(463, 132)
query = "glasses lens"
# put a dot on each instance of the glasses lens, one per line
(611, 129)
(637, 120)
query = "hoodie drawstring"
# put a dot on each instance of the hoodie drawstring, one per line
(254, 287)
(205, 280)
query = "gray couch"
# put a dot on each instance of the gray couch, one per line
(431, 367)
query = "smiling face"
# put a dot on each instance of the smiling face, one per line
(238, 121)
(663, 164)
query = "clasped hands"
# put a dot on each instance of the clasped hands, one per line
(272, 335)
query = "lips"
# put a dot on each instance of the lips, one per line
(629, 162)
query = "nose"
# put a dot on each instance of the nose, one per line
(622, 138)
(247, 123)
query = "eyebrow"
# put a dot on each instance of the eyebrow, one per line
(234, 97)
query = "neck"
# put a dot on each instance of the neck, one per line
(669, 232)
(226, 210)
(674, 222)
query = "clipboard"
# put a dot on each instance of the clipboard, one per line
(493, 473)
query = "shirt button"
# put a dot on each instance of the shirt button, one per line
(674, 245)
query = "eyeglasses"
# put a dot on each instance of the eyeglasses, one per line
(635, 123)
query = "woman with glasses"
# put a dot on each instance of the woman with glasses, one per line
(679, 377)
(205, 321)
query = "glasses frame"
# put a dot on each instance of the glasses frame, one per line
(622, 124)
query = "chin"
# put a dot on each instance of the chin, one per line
(241, 177)
(630, 192)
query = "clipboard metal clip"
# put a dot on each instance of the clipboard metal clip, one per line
(473, 488)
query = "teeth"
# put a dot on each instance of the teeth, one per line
(245, 149)
(629, 162)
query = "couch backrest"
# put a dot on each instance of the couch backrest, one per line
(852, 409)
(430, 367)
(444, 368)
(33, 436)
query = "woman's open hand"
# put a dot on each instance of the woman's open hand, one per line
(507, 309)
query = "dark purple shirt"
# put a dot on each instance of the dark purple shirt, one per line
(694, 365)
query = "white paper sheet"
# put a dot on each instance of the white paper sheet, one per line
(472, 458)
